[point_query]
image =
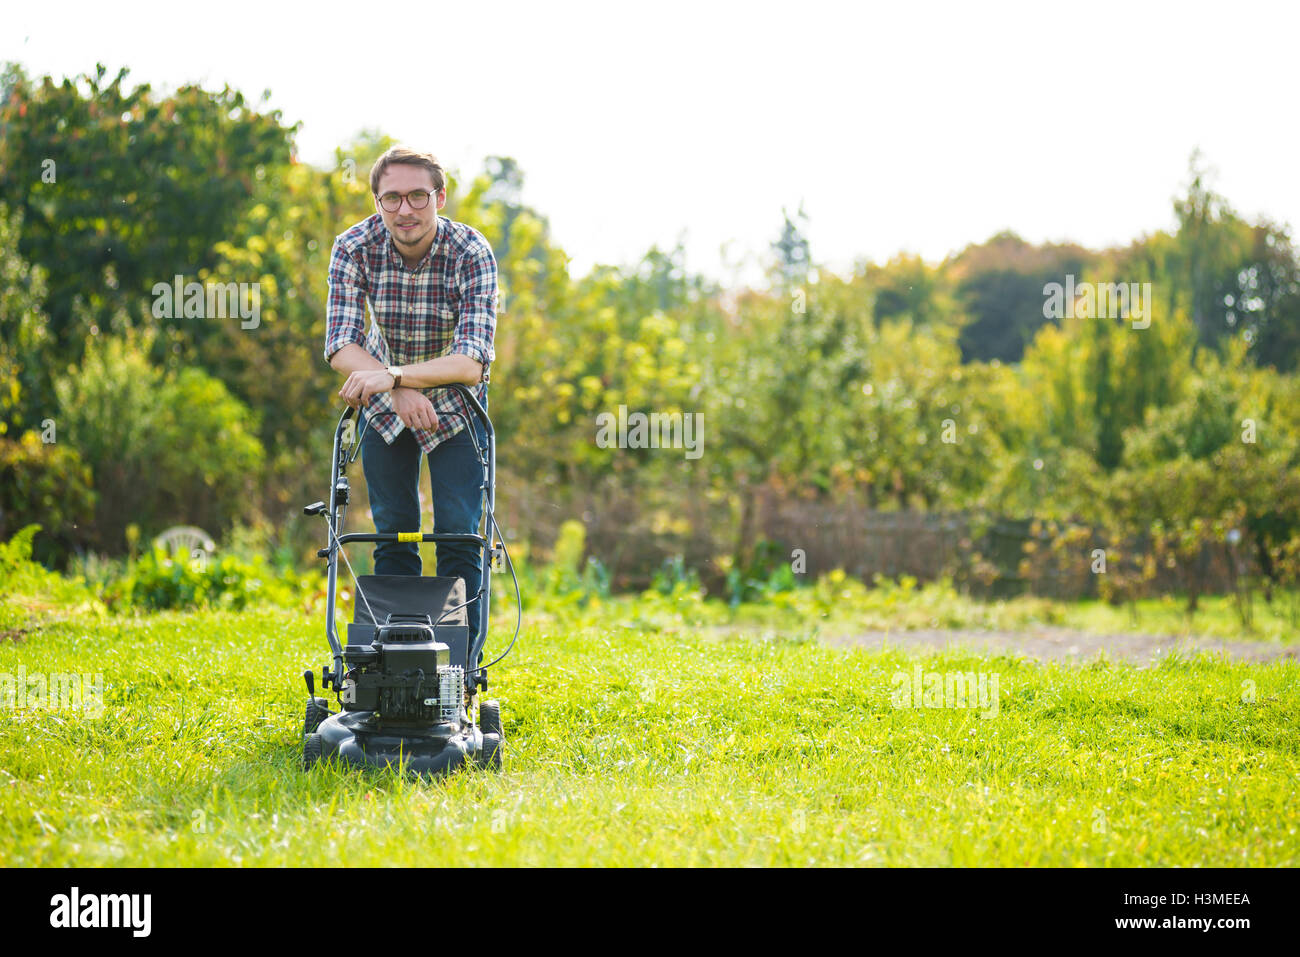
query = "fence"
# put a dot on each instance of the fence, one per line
(634, 532)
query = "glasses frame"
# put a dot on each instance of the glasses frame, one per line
(406, 198)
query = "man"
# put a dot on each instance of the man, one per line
(432, 288)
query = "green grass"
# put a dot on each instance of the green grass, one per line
(635, 739)
(939, 605)
(837, 605)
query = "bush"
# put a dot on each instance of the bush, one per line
(46, 484)
(160, 581)
(164, 449)
(32, 589)
(25, 345)
(563, 577)
(674, 572)
(768, 573)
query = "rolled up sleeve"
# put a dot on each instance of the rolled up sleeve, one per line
(476, 284)
(345, 308)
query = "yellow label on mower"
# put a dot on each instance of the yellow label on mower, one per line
(408, 536)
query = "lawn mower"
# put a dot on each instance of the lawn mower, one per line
(407, 680)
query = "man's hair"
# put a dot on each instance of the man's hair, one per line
(400, 154)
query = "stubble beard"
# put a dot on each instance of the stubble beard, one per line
(403, 241)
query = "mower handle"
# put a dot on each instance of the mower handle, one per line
(411, 537)
(337, 505)
(463, 390)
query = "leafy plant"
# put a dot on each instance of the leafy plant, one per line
(160, 581)
(165, 448)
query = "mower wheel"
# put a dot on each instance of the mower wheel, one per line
(311, 751)
(317, 711)
(489, 718)
(492, 752)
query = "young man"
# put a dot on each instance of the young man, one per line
(432, 288)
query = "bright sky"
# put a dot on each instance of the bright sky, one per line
(908, 126)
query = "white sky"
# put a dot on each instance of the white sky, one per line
(910, 126)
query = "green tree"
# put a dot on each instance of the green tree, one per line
(1233, 278)
(793, 252)
(25, 345)
(120, 189)
(1000, 284)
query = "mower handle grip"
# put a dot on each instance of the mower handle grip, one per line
(411, 537)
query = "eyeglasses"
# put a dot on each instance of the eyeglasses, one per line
(392, 202)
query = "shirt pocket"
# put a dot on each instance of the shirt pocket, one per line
(444, 330)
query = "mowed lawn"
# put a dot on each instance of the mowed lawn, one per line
(651, 746)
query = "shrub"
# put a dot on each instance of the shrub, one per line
(45, 484)
(768, 573)
(164, 449)
(159, 581)
(30, 588)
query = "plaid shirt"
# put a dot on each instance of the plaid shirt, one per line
(446, 305)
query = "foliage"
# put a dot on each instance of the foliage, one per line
(766, 574)
(1235, 279)
(165, 448)
(569, 581)
(903, 385)
(160, 581)
(25, 345)
(34, 595)
(1213, 474)
(49, 484)
(1000, 284)
(121, 188)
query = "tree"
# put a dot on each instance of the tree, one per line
(793, 253)
(1234, 279)
(25, 344)
(120, 189)
(1000, 286)
(906, 288)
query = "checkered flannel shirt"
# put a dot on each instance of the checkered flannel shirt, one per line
(444, 306)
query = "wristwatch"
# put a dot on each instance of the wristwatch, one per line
(396, 373)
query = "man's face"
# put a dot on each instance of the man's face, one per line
(409, 227)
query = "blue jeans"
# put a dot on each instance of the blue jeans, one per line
(456, 476)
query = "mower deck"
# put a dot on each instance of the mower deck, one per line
(357, 739)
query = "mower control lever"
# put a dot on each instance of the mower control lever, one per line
(315, 508)
(310, 678)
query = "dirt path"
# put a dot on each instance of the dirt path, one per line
(1063, 644)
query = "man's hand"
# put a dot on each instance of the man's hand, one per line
(414, 408)
(361, 385)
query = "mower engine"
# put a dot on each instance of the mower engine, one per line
(404, 676)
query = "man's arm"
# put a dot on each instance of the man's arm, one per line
(442, 371)
(345, 311)
(352, 358)
(476, 282)
(367, 376)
